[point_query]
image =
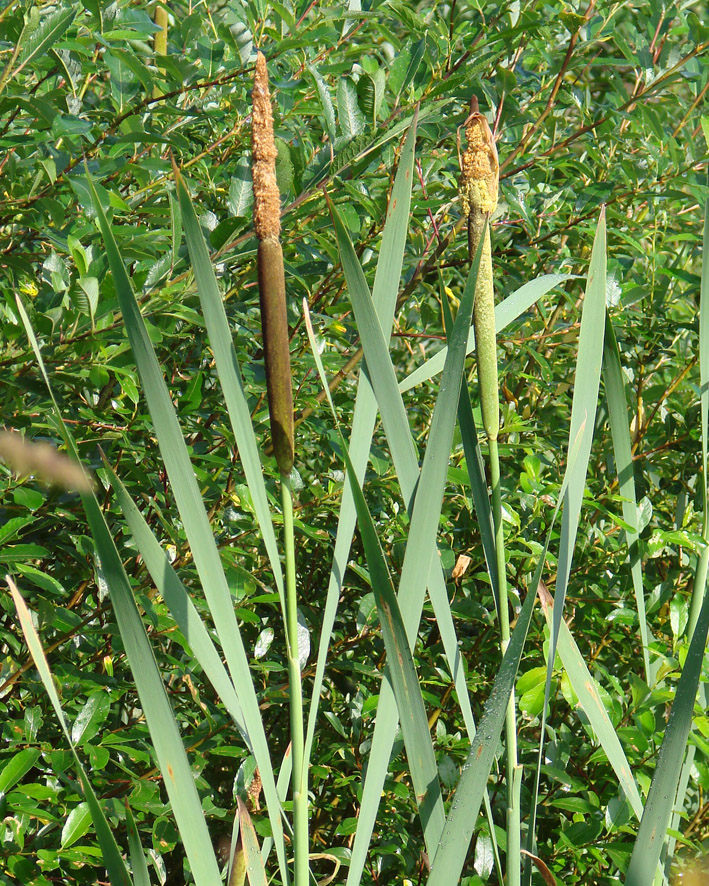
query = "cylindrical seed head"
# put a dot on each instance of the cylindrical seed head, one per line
(480, 168)
(267, 199)
(276, 348)
(271, 278)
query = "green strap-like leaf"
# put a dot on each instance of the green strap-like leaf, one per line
(364, 415)
(220, 337)
(189, 501)
(400, 664)
(505, 312)
(589, 697)
(587, 380)
(188, 620)
(381, 374)
(116, 867)
(620, 432)
(660, 799)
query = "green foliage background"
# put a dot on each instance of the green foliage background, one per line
(597, 104)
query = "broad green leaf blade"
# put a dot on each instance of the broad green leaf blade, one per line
(249, 841)
(221, 340)
(378, 365)
(185, 614)
(364, 415)
(620, 431)
(660, 800)
(39, 34)
(587, 380)
(476, 468)
(404, 455)
(505, 312)
(400, 664)
(453, 848)
(141, 876)
(589, 698)
(116, 867)
(189, 501)
(460, 824)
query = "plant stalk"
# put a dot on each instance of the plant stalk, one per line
(299, 773)
(478, 188)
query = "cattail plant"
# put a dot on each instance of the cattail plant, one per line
(479, 185)
(274, 325)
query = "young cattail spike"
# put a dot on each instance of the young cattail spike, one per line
(271, 278)
(479, 165)
(478, 191)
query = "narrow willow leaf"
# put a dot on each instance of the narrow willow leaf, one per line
(325, 101)
(505, 313)
(352, 121)
(241, 194)
(116, 867)
(400, 664)
(620, 431)
(40, 34)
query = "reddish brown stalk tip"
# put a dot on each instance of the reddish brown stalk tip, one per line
(267, 199)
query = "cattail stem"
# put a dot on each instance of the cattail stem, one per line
(299, 772)
(276, 347)
(478, 189)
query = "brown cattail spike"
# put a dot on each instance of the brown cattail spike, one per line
(267, 199)
(271, 279)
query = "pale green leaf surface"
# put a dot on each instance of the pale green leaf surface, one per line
(589, 697)
(505, 312)
(620, 431)
(139, 866)
(405, 460)
(384, 294)
(183, 611)
(587, 380)
(450, 856)
(117, 871)
(254, 865)
(400, 664)
(221, 340)
(190, 505)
